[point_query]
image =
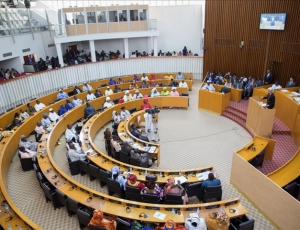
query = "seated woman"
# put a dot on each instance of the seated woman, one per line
(133, 85)
(153, 188)
(227, 83)
(152, 84)
(172, 188)
(116, 118)
(112, 81)
(146, 105)
(132, 181)
(116, 176)
(153, 77)
(26, 153)
(120, 81)
(17, 119)
(98, 93)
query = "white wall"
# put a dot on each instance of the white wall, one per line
(12, 63)
(178, 26)
(140, 44)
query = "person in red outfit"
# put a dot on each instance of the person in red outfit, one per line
(146, 105)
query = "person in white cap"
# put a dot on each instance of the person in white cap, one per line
(90, 96)
(208, 86)
(174, 92)
(116, 176)
(86, 87)
(137, 95)
(108, 103)
(108, 91)
(155, 93)
(62, 95)
(127, 96)
(183, 84)
(53, 115)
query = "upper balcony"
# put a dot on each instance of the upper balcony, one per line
(110, 19)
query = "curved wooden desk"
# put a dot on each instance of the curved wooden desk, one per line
(235, 94)
(214, 102)
(288, 172)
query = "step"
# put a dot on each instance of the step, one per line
(238, 121)
(239, 115)
(236, 110)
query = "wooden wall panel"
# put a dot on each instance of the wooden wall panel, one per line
(239, 21)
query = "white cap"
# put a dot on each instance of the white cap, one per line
(127, 91)
(107, 87)
(173, 88)
(137, 91)
(108, 99)
(208, 81)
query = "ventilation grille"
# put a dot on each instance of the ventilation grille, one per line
(51, 45)
(26, 50)
(257, 44)
(290, 47)
(227, 42)
(7, 54)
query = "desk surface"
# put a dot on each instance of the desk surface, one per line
(215, 102)
(252, 149)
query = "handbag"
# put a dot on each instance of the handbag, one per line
(195, 223)
(151, 177)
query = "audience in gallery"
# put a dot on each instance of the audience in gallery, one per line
(211, 181)
(9, 74)
(165, 92)
(132, 181)
(124, 113)
(26, 153)
(90, 96)
(39, 106)
(62, 95)
(108, 91)
(172, 188)
(183, 84)
(137, 95)
(86, 87)
(89, 110)
(28, 144)
(108, 103)
(77, 101)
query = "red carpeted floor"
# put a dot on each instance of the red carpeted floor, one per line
(285, 147)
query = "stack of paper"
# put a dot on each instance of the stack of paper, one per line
(152, 149)
(296, 94)
(284, 90)
(182, 179)
(89, 151)
(136, 146)
(202, 176)
(159, 215)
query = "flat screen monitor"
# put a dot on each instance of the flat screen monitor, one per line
(272, 21)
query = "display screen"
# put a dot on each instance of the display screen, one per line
(272, 21)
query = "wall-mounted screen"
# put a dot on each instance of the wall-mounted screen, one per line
(272, 21)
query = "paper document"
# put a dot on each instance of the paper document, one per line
(159, 215)
(182, 179)
(146, 149)
(136, 146)
(193, 215)
(263, 104)
(89, 151)
(284, 90)
(295, 93)
(297, 99)
(152, 149)
(202, 176)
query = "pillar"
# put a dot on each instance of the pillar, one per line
(126, 49)
(155, 46)
(59, 54)
(92, 50)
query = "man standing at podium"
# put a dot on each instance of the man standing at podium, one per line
(209, 86)
(270, 99)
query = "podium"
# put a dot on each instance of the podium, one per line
(259, 120)
(213, 101)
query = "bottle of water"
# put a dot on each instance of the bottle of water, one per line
(160, 174)
(100, 205)
(6, 207)
(221, 209)
(215, 172)
(19, 227)
(130, 169)
(9, 227)
(198, 211)
(173, 212)
(180, 174)
(146, 172)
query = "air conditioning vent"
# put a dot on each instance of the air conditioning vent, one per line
(26, 50)
(7, 54)
(51, 45)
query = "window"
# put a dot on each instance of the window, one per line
(69, 18)
(143, 15)
(113, 16)
(101, 16)
(122, 15)
(79, 17)
(134, 15)
(91, 17)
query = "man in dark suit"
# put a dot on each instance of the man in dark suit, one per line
(270, 99)
(268, 77)
(291, 83)
(248, 89)
(76, 90)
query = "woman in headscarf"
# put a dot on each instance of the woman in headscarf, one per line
(153, 77)
(127, 96)
(132, 181)
(172, 188)
(153, 188)
(120, 81)
(112, 81)
(174, 92)
(133, 85)
(116, 176)
(146, 105)
(27, 144)
(152, 84)
(136, 78)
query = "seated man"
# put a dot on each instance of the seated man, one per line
(270, 99)
(86, 87)
(62, 110)
(69, 105)
(30, 108)
(165, 92)
(108, 91)
(218, 81)
(155, 93)
(116, 143)
(291, 83)
(89, 110)
(76, 90)
(74, 155)
(90, 96)
(247, 91)
(24, 114)
(127, 96)
(144, 85)
(39, 129)
(124, 113)
(108, 103)
(53, 115)
(137, 95)
(112, 81)
(116, 176)
(39, 106)
(174, 92)
(135, 132)
(28, 144)
(174, 83)
(117, 89)
(179, 76)
(142, 156)
(276, 86)
(70, 134)
(76, 101)
(46, 122)
(136, 78)
(208, 86)
(62, 95)
(76, 144)
(144, 77)
(26, 153)
(183, 84)
(258, 82)
(211, 181)
(98, 93)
